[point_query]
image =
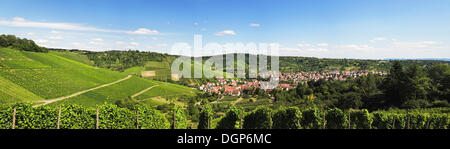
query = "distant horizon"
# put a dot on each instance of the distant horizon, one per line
(437, 59)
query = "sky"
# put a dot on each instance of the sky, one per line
(362, 29)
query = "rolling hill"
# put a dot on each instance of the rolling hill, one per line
(38, 77)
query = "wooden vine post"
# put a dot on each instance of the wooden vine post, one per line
(137, 119)
(97, 120)
(59, 117)
(14, 119)
(208, 120)
(349, 119)
(393, 123)
(240, 123)
(323, 119)
(407, 114)
(175, 118)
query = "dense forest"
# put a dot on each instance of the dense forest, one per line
(21, 44)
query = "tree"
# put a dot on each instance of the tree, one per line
(394, 85)
(350, 100)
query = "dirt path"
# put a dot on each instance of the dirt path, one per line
(81, 92)
(237, 101)
(143, 91)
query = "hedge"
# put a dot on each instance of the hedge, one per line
(77, 117)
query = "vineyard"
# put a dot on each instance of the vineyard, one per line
(108, 116)
(50, 76)
(35, 77)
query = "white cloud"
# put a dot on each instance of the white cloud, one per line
(226, 32)
(55, 32)
(322, 44)
(301, 45)
(120, 43)
(255, 25)
(317, 50)
(42, 41)
(195, 23)
(134, 43)
(76, 44)
(356, 47)
(160, 45)
(96, 43)
(97, 39)
(21, 22)
(155, 38)
(56, 37)
(377, 39)
(144, 31)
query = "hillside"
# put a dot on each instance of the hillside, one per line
(35, 77)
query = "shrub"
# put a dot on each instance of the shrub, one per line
(181, 119)
(113, 117)
(152, 119)
(287, 118)
(77, 117)
(260, 118)
(440, 103)
(231, 119)
(360, 119)
(312, 118)
(415, 104)
(336, 119)
(205, 117)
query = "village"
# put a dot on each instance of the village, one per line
(287, 81)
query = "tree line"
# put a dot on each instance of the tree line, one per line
(20, 43)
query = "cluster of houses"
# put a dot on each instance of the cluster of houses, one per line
(297, 77)
(237, 87)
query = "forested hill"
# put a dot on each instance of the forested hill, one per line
(122, 60)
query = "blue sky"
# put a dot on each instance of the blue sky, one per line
(367, 29)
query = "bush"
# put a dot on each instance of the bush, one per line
(415, 104)
(113, 117)
(287, 118)
(312, 119)
(231, 119)
(77, 117)
(181, 119)
(205, 117)
(386, 120)
(438, 121)
(417, 121)
(152, 119)
(336, 119)
(440, 103)
(260, 118)
(360, 119)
